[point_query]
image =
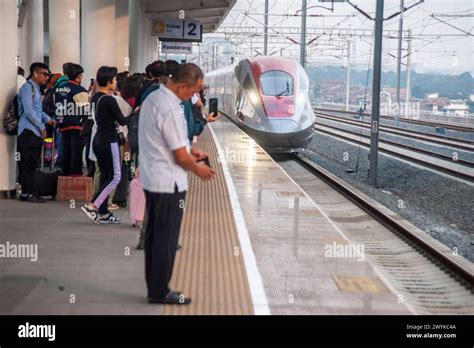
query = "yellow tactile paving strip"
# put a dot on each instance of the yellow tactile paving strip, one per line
(210, 268)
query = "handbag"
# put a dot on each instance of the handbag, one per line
(122, 139)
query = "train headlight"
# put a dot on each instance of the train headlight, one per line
(253, 98)
(301, 98)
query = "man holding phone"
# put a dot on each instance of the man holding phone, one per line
(213, 106)
(212, 117)
(165, 158)
(193, 111)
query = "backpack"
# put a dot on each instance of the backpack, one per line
(133, 131)
(10, 122)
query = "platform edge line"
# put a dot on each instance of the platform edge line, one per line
(336, 227)
(257, 290)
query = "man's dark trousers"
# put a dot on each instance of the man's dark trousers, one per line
(72, 144)
(165, 212)
(29, 147)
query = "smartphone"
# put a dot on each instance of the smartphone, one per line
(92, 82)
(206, 161)
(213, 105)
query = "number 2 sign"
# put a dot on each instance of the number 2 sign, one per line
(177, 30)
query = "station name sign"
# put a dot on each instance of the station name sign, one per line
(178, 30)
(177, 47)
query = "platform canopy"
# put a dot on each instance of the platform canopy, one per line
(210, 13)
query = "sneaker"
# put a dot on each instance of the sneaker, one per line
(23, 197)
(173, 297)
(109, 219)
(36, 199)
(91, 213)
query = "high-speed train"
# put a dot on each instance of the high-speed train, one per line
(267, 97)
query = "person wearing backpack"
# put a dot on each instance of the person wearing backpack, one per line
(31, 130)
(72, 108)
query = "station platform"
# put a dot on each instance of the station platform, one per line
(253, 243)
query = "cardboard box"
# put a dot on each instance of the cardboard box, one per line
(78, 188)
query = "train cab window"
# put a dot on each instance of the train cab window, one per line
(276, 83)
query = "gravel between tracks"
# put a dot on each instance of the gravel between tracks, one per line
(441, 149)
(441, 206)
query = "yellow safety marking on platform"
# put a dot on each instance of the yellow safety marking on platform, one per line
(210, 268)
(359, 284)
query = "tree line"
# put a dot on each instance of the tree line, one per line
(449, 86)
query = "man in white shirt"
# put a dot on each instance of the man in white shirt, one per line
(165, 158)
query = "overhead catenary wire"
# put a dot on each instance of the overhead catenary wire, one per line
(421, 21)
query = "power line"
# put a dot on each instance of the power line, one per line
(452, 26)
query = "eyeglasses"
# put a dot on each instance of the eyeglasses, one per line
(45, 74)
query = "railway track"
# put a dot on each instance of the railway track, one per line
(405, 146)
(406, 120)
(456, 143)
(425, 274)
(460, 169)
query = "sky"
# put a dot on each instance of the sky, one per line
(438, 52)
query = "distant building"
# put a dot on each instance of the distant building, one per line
(435, 105)
(444, 106)
(457, 108)
(331, 91)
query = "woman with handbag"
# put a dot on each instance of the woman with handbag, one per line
(105, 145)
(120, 194)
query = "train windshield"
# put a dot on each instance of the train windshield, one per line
(276, 83)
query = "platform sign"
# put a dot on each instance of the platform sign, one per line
(177, 30)
(176, 47)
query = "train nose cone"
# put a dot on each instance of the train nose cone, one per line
(282, 126)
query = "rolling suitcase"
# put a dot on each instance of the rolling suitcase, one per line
(45, 180)
(137, 202)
